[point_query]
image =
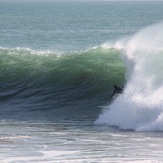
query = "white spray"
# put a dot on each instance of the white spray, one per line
(140, 107)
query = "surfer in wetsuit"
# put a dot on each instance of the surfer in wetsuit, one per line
(117, 90)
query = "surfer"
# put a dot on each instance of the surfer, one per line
(117, 90)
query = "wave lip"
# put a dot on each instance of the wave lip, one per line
(140, 107)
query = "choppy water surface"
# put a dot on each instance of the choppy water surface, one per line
(84, 142)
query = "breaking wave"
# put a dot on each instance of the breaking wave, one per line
(140, 107)
(60, 84)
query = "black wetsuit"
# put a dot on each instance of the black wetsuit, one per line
(117, 90)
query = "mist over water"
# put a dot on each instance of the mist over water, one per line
(140, 107)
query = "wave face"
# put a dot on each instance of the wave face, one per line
(48, 85)
(140, 107)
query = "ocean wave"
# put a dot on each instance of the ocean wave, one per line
(38, 81)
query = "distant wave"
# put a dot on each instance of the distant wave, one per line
(140, 107)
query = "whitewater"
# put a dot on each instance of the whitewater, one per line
(140, 106)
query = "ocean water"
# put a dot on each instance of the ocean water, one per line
(58, 64)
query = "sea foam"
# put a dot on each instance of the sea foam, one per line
(140, 107)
